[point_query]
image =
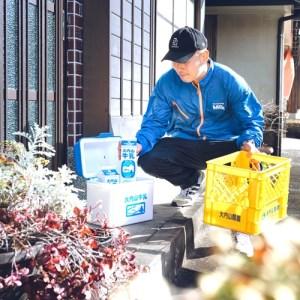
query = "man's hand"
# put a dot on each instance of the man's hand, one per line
(249, 146)
(138, 148)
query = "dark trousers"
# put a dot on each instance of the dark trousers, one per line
(179, 160)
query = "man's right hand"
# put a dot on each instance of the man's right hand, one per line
(138, 148)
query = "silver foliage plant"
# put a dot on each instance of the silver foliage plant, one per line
(27, 183)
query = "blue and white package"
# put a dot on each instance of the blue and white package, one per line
(109, 175)
(128, 160)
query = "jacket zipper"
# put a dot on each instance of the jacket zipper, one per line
(200, 98)
(180, 110)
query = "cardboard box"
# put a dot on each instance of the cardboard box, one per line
(122, 204)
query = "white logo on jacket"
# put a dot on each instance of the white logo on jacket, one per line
(218, 106)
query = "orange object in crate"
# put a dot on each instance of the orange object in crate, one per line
(244, 192)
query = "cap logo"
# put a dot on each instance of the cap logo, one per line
(174, 43)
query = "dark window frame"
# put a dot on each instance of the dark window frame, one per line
(23, 94)
(2, 79)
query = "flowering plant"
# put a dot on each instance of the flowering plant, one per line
(47, 248)
(273, 273)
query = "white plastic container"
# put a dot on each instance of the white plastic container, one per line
(122, 204)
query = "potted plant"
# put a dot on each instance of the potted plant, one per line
(275, 123)
(47, 248)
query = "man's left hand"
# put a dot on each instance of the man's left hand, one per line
(249, 146)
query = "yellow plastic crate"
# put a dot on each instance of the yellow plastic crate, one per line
(244, 198)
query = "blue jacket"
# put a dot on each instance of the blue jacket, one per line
(222, 108)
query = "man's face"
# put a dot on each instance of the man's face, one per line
(193, 69)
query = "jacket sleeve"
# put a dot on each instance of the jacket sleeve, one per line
(155, 121)
(248, 112)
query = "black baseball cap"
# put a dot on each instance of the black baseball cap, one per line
(183, 43)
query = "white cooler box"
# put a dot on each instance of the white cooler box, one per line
(123, 203)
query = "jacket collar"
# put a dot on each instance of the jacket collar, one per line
(209, 73)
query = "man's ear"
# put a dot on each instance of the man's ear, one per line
(206, 54)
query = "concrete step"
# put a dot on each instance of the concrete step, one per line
(161, 243)
(175, 246)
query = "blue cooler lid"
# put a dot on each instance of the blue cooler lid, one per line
(92, 153)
